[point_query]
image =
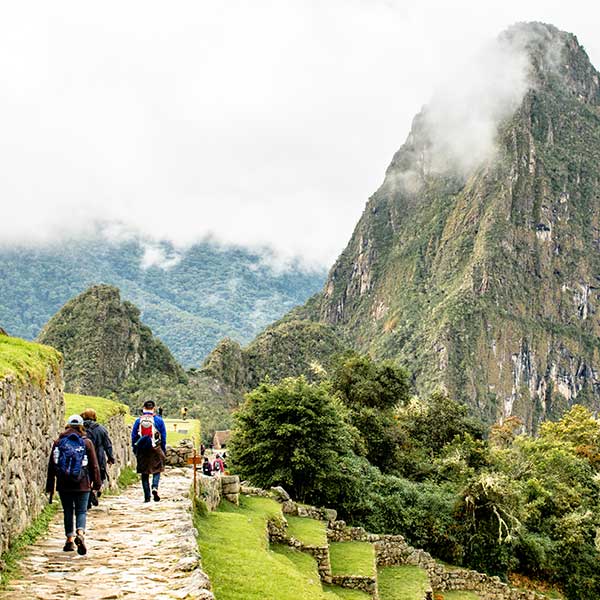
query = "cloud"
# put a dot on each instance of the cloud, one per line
(260, 124)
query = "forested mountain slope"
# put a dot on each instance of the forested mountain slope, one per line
(191, 301)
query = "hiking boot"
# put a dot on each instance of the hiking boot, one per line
(80, 543)
(155, 495)
(69, 546)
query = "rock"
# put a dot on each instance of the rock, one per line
(280, 494)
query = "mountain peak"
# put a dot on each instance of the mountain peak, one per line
(555, 56)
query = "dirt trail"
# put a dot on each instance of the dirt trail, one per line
(135, 550)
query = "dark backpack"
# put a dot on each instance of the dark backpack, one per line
(70, 458)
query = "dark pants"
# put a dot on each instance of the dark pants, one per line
(146, 483)
(74, 506)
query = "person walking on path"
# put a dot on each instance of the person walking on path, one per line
(218, 465)
(73, 468)
(102, 444)
(206, 467)
(149, 441)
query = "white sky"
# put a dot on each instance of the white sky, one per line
(256, 123)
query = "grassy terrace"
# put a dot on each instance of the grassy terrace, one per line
(456, 595)
(352, 558)
(26, 360)
(402, 583)
(105, 409)
(241, 566)
(309, 531)
(178, 429)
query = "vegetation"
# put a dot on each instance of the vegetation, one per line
(26, 360)
(309, 531)
(290, 433)
(352, 558)
(211, 293)
(10, 559)
(510, 504)
(105, 409)
(402, 583)
(236, 556)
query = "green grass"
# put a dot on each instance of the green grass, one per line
(459, 595)
(10, 559)
(352, 558)
(174, 427)
(404, 582)
(27, 360)
(309, 531)
(241, 566)
(105, 409)
(127, 477)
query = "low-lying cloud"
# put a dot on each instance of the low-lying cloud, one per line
(257, 124)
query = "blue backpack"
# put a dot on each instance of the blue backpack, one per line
(70, 458)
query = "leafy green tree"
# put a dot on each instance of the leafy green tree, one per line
(290, 434)
(361, 381)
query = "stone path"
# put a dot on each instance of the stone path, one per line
(135, 551)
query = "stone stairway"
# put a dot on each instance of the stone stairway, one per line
(135, 551)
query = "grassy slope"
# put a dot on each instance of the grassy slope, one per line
(26, 360)
(402, 583)
(352, 558)
(105, 409)
(309, 531)
(176, 427)
(236, 556)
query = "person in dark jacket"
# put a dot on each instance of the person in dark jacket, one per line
(74, 491)
(206, 467)
(150, 450)
(102, 444)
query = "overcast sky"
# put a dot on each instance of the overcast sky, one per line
(257, 123)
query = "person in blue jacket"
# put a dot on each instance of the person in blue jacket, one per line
(149, 441)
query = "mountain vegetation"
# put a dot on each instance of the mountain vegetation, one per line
(521, 507)
(191, 299)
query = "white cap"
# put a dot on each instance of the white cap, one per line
(75, 420)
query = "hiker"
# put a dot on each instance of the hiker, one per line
(206, 467)
(103, 447)
(73, 467)
(149, 441)
(218, 465)
(202, 449)
(184, 413)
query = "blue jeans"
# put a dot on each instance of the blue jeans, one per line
(146, 483)
(74, 505)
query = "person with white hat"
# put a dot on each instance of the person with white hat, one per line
(73, 468)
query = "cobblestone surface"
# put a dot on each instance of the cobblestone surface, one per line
(135, 551)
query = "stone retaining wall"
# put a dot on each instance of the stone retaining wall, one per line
(392, 550)
(177, 456)
(120, 436)
(213, 489)
(356, 582)
(31, 415)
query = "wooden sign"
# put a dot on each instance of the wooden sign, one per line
(194, 460)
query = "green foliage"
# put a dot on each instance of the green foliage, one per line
(127, 477)
(289, 434)
(26, 360)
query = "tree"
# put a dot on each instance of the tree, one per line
(290, 434)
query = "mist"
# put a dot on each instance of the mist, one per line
(265, 125)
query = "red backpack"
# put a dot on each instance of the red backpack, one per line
(147, 428)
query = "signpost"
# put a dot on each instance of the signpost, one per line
(195, 460)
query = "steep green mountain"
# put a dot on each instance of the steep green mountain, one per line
(484, 280)
(194, 299)
(286, 349)
(105, 344)
(488, 284)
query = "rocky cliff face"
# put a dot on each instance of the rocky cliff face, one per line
(485, 280)
(31, 414)
(105, 344)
